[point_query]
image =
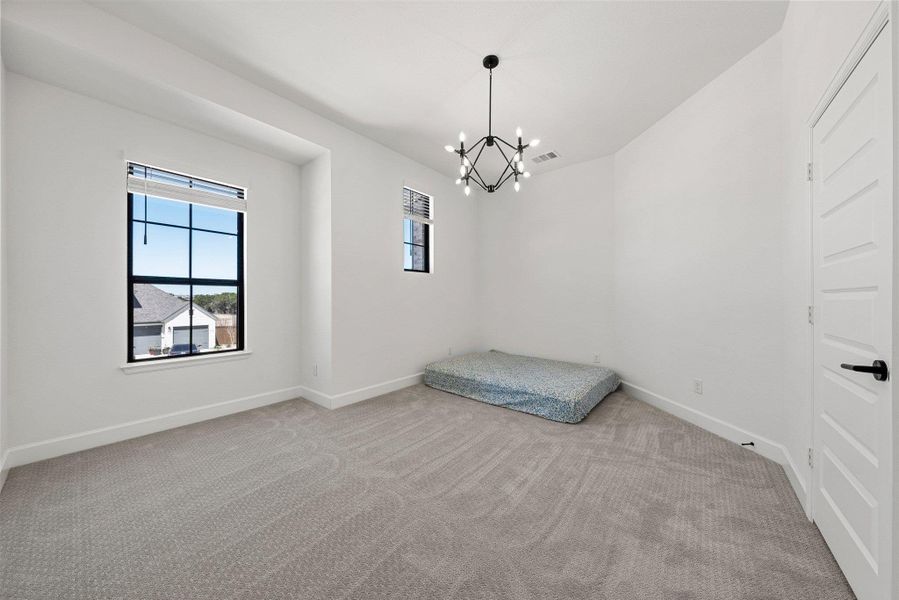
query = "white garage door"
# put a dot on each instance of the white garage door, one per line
(146, 337)
(201, 336)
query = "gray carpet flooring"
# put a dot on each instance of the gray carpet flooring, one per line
(416, 494)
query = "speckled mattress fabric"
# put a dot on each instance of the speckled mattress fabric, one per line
(552, 389)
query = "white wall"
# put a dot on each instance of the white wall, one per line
(545, 258)
(697, 275)
(315, 274)
(387, 323)
(65, 193)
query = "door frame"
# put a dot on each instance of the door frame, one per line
(883, 17)
(880, 19)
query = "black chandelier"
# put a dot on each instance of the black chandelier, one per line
(514, 169)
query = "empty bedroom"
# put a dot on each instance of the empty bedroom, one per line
(471, 300)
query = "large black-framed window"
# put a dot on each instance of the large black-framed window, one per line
(417, 224)
(185, 266)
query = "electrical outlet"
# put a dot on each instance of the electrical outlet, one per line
(315, 370)
(596, 358)
(697, 386)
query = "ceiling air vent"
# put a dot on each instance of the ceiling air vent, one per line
(545, 157)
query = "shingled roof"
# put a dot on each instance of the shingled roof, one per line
(152, 305)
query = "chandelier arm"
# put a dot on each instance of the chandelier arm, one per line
(478, 178)
(496, 137)
(475, 145)
(480, 185)
(504, 180)
(472, 147)
(475, 161)
(499, 180)
(509, 164)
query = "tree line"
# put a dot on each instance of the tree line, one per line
(224, 303)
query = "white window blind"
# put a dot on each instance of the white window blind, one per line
(151, 181)
(417, 206)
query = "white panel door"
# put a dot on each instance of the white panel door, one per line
(853, 220)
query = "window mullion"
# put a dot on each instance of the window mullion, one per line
(130, 291)
(152, 279)
(158, 224)
(241, 298)
(190, 276)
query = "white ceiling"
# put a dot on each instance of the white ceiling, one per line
(586, 78)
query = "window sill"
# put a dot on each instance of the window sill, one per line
(187, 361)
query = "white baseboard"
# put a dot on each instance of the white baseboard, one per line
(360, 394)
(317, 397)
(33, 452)
(763, 446)
(798, 482)
(4, 469)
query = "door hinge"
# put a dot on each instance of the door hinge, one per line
(811, 315)
(811, 458)
(809, 172)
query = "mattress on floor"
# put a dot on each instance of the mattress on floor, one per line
(560, 391)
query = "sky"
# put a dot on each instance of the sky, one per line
(167, 248)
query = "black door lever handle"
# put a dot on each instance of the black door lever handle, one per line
(878, 369)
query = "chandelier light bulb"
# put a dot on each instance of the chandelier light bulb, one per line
(518, 132)
(449, 148)
(466, 162)
(521, 167)
(534, 143)
(516, 158)
(467, 190)
(462, 170)
(517, 186)
(458, 181)
(461, 136)
(527, 174)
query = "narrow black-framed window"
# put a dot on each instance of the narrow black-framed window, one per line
(417, 223)
(185, 265)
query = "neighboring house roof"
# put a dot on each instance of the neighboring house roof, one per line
(152, 305)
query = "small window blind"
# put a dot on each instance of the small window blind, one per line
(151, 181)
(417, 206)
